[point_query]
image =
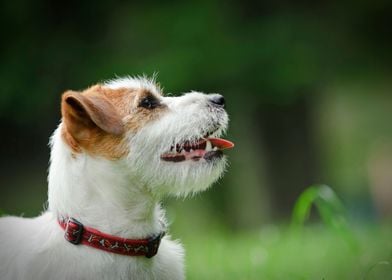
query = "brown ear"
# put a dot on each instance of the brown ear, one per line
(81, 114)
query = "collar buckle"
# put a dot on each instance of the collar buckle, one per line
(73, 231)
(153, 244)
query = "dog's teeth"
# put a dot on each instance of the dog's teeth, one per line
(215, 149)
(191, 150)
(183, 152)
(208, 146)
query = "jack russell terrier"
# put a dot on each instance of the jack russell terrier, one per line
(120, 148)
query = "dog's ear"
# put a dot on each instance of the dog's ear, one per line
(81, 114)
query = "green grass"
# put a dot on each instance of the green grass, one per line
(328, 249)
(330, 208)
(277, 253)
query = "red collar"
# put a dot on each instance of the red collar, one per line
(76, 233)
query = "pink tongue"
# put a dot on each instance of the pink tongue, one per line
(222, 144)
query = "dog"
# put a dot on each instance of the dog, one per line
(120, 148)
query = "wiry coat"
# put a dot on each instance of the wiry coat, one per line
(106, 171)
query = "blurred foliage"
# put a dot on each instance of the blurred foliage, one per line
(330, 208)
(333, 249)
(328, 205)
(275, 253)
(261, 49)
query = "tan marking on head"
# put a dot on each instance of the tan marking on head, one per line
(97, 120)
(140, 116)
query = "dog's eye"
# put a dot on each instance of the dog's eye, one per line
(149, 102)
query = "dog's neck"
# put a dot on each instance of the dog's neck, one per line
(100, 194)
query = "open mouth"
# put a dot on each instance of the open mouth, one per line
(207, 149)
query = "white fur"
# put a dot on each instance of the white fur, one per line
(136, 83)
(117, 197)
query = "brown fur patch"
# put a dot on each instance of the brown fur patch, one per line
(91, 125)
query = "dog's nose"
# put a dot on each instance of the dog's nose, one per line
(217, 100)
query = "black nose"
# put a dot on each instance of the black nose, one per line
(217, 100)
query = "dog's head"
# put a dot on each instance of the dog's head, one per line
(170, 144)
